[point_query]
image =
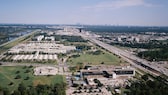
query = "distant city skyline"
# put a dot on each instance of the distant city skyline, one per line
(97, 12)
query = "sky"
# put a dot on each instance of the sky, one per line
(97, 12)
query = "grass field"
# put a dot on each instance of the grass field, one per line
(106, 57)
(8, 75)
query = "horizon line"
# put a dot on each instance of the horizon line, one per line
(85, 24)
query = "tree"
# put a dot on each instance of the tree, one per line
(22, 88)
(27, 78)
(30, 66)
(27, 71)
(148, 87)
(11, 83)
(99, 84)
(17, 72)
(16, 92)
(18, 77)
(24, 67)
(145, 77)
(102, 62)
(6, 91)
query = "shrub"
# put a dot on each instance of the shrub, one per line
(18, 77)
(27, 78)
(11, 83)
(27, 71)
(17, 72)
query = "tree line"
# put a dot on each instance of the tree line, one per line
(123, 29)
(157, 50)
(155, 55)
(56, 89)
(148, 87)
(149, 45)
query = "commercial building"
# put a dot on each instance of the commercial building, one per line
(41, 50)
(115, 76)
(40, 37)
(113, 73)
(42, 47)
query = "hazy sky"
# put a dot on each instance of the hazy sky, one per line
(115, 12)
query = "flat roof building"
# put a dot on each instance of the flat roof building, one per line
(109, 73)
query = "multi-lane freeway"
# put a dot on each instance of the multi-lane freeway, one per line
(137, 62)
(129, 57)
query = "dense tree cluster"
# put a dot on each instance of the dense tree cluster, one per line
(57, 89)
(158, 50)
(149, 45)
(3, 37)
(148, 87)
(69, 38)
(73, 38)
(7, 30)
(123, 29)
(9, 33)
(83, 47)
(155, 55)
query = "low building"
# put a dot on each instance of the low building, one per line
(51, 38)
(109, 73)
(45, 70)
(39, 38)
(42, 47)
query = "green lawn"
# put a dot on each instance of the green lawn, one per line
(106, 57)
(8, 74)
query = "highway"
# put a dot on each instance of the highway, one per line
(135, 61)
(26, 35)
(132, 59)
(19, 37)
